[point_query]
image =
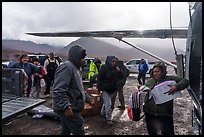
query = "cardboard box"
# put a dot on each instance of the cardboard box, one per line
(92, 91)
(90, 110)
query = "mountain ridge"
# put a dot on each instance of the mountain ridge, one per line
(94, 47)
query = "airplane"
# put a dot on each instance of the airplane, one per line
(188, 66)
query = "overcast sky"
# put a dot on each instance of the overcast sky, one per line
(21, 17)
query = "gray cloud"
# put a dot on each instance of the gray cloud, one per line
(21, 17)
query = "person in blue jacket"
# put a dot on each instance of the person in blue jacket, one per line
(29, 68)
(143, 68)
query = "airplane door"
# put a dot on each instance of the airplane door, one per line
(193, 66)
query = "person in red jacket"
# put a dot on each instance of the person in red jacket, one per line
(37, 79)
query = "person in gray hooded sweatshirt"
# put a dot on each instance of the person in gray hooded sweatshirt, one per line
(69, 96)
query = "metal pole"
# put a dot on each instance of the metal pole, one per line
(146, 52)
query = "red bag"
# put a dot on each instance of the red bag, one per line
(129, 111)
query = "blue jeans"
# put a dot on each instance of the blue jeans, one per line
(106, 107)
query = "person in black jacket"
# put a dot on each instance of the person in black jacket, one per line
(50, 66)
(122, 80)
(107, 83)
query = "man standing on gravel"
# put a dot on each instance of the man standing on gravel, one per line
(68, 93)
(142, 68)
(121, 82)
(50, 66)
(107, 80)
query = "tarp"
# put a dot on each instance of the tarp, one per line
(43, 111)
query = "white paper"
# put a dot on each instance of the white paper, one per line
(158, 92)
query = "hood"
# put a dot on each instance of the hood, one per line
(143, 61)
(75, 54)
(163, 68)
(97, 60)
(120, 64)
(109, 61)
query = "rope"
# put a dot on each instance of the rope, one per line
(172, 38)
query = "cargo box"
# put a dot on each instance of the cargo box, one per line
(12, 81)
(94, 109)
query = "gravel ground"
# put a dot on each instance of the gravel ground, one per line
(95, 125)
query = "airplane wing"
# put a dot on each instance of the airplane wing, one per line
(156, 33)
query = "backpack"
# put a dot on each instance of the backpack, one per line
(135, 106)
(51, 67)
